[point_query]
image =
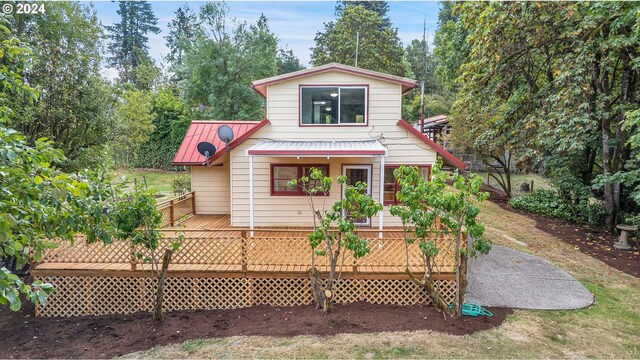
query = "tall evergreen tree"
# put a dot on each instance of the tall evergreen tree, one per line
(379, 7)
(183, 32)
(422, 61)
(379, 47)
(129, 46)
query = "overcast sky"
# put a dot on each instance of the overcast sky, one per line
(294, 22)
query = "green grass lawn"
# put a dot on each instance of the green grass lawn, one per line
(539, 182)
(160, 181)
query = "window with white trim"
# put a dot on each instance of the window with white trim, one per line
(333, 105)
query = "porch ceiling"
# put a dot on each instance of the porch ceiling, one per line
(319, 148)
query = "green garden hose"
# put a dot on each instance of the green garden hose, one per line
(473, 310)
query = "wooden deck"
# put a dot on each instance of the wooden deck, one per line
(220, 266)
(222, 224)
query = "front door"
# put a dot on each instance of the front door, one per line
(355, 173)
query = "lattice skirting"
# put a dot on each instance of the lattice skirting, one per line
(94, 295)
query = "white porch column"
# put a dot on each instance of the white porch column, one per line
(251, 193)
(381, 222)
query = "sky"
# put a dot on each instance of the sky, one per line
(295, 23)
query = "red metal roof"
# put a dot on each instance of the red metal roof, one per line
(200, 131)
(448, 157)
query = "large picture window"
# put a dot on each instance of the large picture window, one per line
(333, 105)
(281, 174)
(391, 186)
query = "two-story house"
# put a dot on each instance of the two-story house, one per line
(340, 119)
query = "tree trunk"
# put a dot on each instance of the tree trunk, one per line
(328, 294)
(316, 288)
(430, 287)
(462, 283)
(166, 259)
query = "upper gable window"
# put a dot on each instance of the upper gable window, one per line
(333, 105)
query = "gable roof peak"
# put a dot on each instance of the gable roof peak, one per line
(260, 86)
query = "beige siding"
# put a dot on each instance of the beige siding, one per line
(211, 185)
(221, 191)
(384, 111)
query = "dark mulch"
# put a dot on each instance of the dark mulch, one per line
(24, 336)
(594, 242)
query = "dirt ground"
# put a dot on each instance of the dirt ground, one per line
(594, 242)
(23, 336)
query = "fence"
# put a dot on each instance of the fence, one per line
(178, 208)
(228, 268)
(234, 250)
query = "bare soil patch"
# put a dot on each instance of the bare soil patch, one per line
(24, 336)
(594, 242)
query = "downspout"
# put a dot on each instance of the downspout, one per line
(381, 221)
(251, 194)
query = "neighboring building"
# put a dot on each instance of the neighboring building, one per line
(436, 128)
(341, 119)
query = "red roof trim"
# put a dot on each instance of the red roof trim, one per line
(252, 122)
(237, 141)
(316, 152)
(450, 158)
(260, 87)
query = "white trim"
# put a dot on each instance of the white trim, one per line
(369, 169)
(251, 194)
(381, 197)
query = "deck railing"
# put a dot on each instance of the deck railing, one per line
(235, 250)
(175, 209)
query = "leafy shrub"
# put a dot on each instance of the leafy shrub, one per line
(181, 185)
(549, 203)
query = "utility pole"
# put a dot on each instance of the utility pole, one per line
(422, 107)
(357, 45)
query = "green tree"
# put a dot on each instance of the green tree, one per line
(287, 61)
(74, 108)
(379, 47)
(554, 102)
(438, 98)
(335, 229)
(220, 68)
(38, 202)
(129, 46)
(170, 123)
(184, 30)
(426, 205)
(133, 124)
(434, 104)
(451, 46)
(137, 220)
(379, 7)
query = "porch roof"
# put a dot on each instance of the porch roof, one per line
(319, 148)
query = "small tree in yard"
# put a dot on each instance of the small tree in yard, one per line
(425, 206)
(137, 220)
(335, 229)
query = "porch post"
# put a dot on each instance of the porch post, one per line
(251, 194)
(381, 222)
